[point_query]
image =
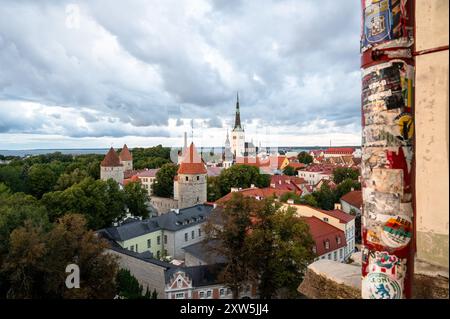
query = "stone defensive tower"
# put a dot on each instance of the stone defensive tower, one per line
(111, 167)
(126, 159)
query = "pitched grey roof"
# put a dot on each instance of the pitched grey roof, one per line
(171, 221)
(186, 217)
(202, 251)
(205, 275)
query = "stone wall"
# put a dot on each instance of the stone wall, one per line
(163, 204)
(326, 279)
(148, 274)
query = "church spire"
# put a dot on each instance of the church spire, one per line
(237, 121)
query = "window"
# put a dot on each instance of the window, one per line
(165, 252)
(149, 243)
(165, 239)
(327, 244)
(222, 292)
(199, 232)
(158, 240)
(198, 178)
(208, 294)
(132, 248)
(179, 295)
(192, 234)
(340, 253)
(185, 236)
(187, 178)
(202, 294)
(335, 255)
(158, 254)
(338, 240)
(329, 256)
(325, 219)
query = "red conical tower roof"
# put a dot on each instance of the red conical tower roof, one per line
(111, 159)
(125, 154)
(191, 162)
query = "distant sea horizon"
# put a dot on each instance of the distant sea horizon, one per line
(81, 151)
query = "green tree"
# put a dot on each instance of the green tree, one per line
(128, 287)
(281, 247)
(325, 197)
(41, 179)
(342, 173)
(346, 186)
(289, 171)
(213, 188)
(68, 179)
(309, 199)
(241, 176)
(305, 158)
(11, 176)
(101, 202)
(136, 198)
(229, 225)
(37, 258)
(163, 185)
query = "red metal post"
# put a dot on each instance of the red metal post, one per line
(387, 103)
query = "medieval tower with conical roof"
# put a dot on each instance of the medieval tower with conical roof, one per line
(126, 158)
(111, 167)
(237, 134)
(190, 183)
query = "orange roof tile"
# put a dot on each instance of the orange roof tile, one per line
(125, 154)
(191, 162)
(322, 232)
(111, 159)
(354, 198)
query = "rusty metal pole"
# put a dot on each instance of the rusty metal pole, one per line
(387, 103)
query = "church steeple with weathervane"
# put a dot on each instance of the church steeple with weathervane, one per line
(237, 134)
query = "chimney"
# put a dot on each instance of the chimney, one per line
(252, 186)
(337, 206)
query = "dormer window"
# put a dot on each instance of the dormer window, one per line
(338, 240)
(314, 250)
(325, 219)
(327, 244)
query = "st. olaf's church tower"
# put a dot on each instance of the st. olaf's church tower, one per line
(237, 134)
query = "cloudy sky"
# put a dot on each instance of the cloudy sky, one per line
(82, 74)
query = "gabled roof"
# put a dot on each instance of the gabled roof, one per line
(322, 232)
(186, 217)
(191, 162)
(125, 154)
(343, 217)
(111, 159)
(354, 198)
(132, 229)
(204, 275)
(202, 250)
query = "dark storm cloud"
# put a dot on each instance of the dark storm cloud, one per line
(130, 66)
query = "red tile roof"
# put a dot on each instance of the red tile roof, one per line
(284, 179)
(322, 232)
(343, 217)
(131, 179)
(354, 198)
(147, 172)
(111, 159)
(125, 154)
(191, 162)
(340, 150)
